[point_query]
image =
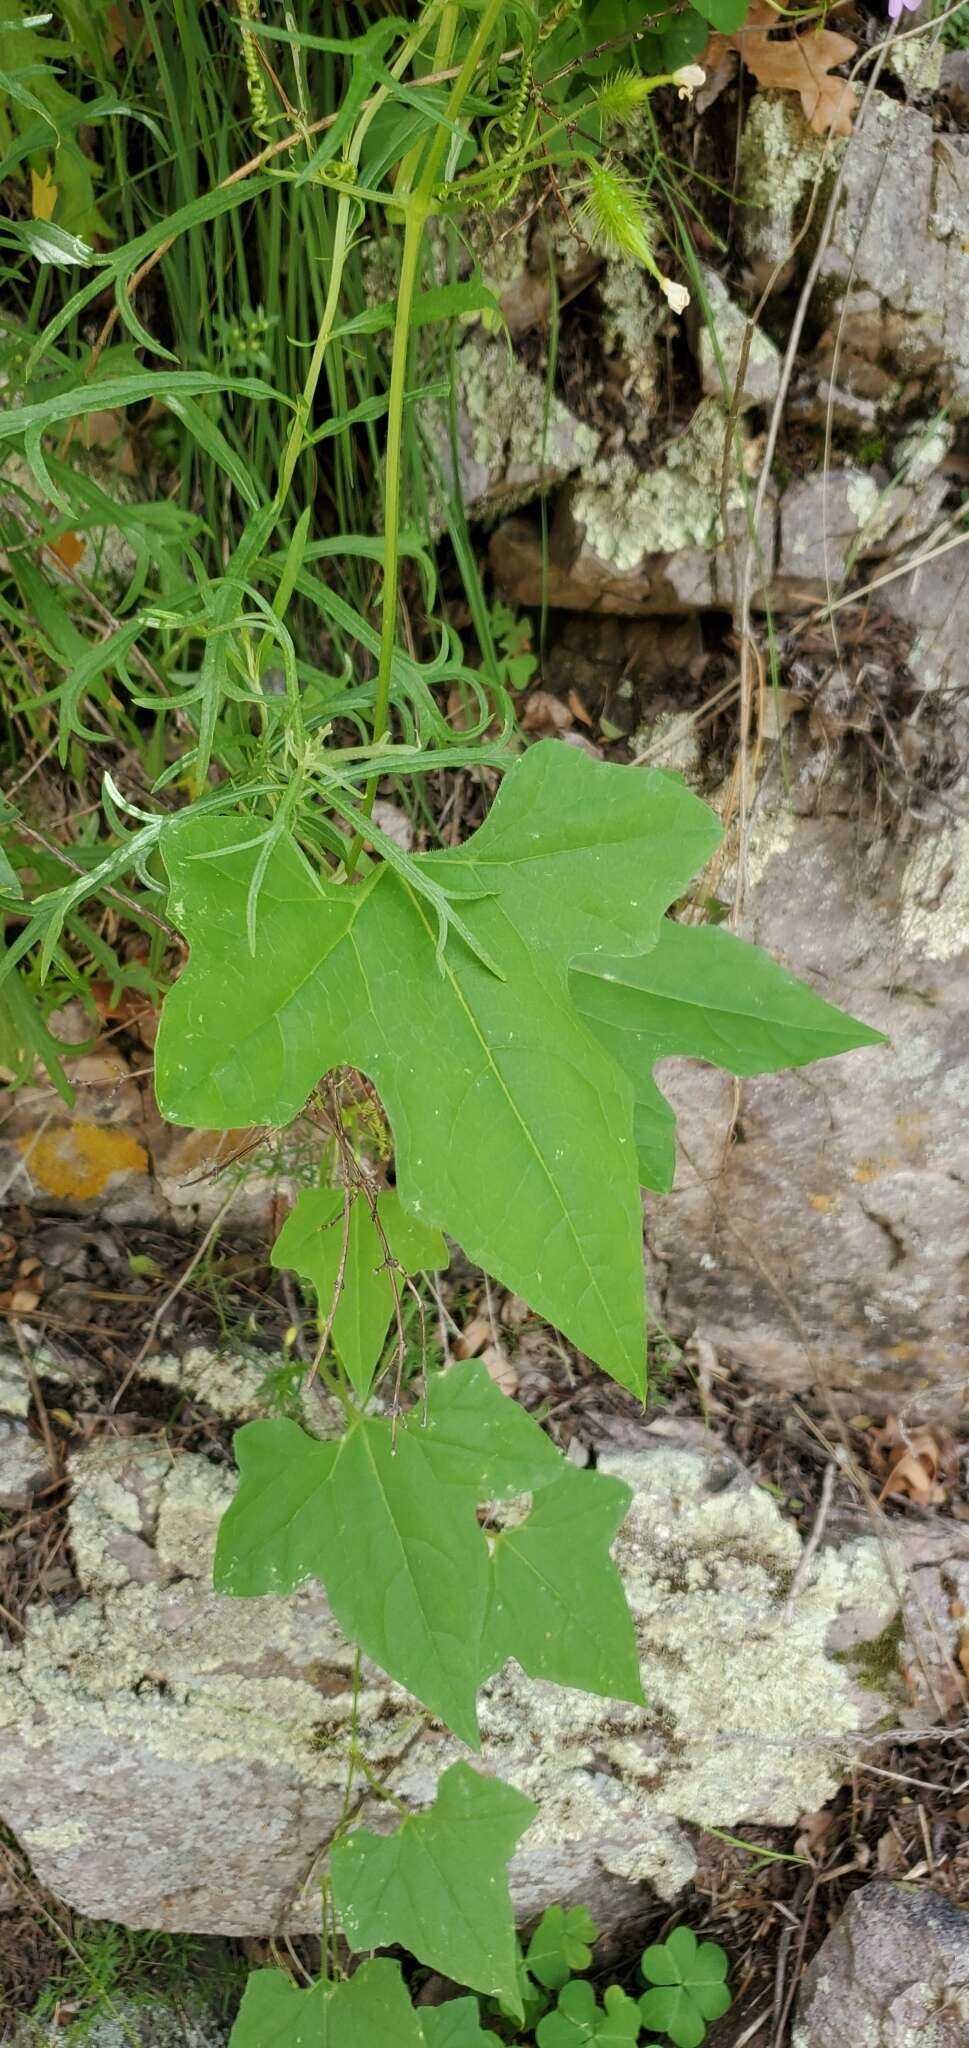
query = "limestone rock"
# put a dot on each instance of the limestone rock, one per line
(933, 600)
(762, 374)
(901, 235)
(512, 443)
(781, 160)
(175, 1758)
(836, 518)
(639, 542)
(23, 1464)
(633, 314)
(831, 1242)
(894, 1973)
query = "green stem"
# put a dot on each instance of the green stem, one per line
(341, 235)
(416, 206)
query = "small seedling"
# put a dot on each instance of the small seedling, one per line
(688, 1977)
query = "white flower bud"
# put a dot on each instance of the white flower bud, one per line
(687, 79)
(676, 295)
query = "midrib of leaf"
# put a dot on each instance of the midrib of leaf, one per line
(513, 1106)
(554, 1591)
(433, 1635)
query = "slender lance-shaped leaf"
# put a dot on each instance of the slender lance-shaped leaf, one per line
(438, 1886)
(703, 992)
(311, 1242)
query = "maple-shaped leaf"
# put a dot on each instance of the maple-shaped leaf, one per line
(370, 2007)
(552, 1607)
(311, 1241)
(438, 1885)
(801, 63)
(513, 1128)
(703, 992)
(388, 1522)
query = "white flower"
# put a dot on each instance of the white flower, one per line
(687, 79)
(676, 295)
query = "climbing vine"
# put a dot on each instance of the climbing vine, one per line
(507, 999)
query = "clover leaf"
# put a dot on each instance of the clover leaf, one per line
(573, 2023)
(690, 1988)
(560, 1945)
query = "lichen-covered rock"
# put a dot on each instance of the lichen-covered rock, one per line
(126, 2022)
(763, 367)
(781, 161)
(894, 1973)
(174, 1758)
(836, 518)
(933, 601)
(831, 1243)
(642, 541)
(633, 313)
(514, 439)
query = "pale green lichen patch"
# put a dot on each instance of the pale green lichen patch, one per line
(627, 514)
(749, 1718)
(780, 160)
(633, 311)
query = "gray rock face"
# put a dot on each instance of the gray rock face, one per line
(900, 247)
(894, 1973)
(834, 520)
(636, 542)
(23, 1464)
(934, 601)
(173, 1758)
(762, 371)
(830, 1242)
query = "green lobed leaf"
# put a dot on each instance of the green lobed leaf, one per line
(311, 1242)
(368, 2008)
(689, 1976)
(456, 2025)
(438, 1886)
(512, 1125)
(560, 1944)
(701, 991)
(557, 1603)
(389, 1525)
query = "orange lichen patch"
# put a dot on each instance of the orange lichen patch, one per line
(824, 1204)
(69, 549)
(872, 1169)
(76, 1161)
(197, 1152)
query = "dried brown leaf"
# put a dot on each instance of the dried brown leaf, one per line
(803, 64)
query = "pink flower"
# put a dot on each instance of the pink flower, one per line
(895, 8)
